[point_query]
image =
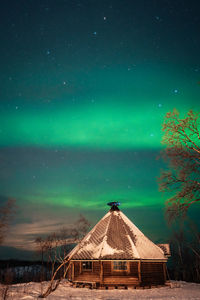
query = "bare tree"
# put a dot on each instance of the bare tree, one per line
(41, 250)
(4, 292)
(55, 248)
(6, 213)
(182, 154)
(185, 248)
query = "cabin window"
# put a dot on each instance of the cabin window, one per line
(119, 265)
(87, 266)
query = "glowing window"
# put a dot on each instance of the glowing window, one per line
(120, 265)
(87, 265)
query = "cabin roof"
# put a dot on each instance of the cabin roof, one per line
(116, 237)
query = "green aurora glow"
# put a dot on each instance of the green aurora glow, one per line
(129, 116)
(85, 86)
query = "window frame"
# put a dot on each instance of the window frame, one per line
(86, 269)
(120, 270)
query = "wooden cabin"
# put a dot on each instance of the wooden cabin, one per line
(116, 253)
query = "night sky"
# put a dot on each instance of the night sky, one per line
(84, 89)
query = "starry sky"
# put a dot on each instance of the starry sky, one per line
(84, 88)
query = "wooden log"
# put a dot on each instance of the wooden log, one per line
(139, 271)
(97, 267)
(117, 280)
(72, 271)
(111, 287)
(138, 287)
(101, 273)
(122, 287)
(133, 268)
(152, 273)
(102, 287)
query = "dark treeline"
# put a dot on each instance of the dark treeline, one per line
(51, 252)
(16, 271)
(184, 263)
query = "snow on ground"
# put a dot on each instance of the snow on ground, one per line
(28, 291)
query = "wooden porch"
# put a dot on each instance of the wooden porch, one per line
(102, 274)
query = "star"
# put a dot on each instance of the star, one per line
(159, 105)
(175, 91)
(104, 18)
(158, 18)
(94, 33)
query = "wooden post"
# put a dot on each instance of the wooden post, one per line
(72, 271)
(80, 267)
(128, 267)
(139, 271)
(69, 271)
(101, 272)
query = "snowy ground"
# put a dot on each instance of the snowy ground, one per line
(178, 290)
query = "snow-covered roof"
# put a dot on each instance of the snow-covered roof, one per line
(116, 237)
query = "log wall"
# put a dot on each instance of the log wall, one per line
(106, 268)
(96, 267)
(69, 273)
(86, 275)
(134, 268)
(76, 268)
(114, 277)
(152, 273)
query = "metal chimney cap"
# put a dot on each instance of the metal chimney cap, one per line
(113, 204)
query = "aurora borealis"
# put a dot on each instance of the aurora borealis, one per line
(85, 86)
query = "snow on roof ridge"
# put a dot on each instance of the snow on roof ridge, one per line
(82, 242)
(105, 237)
(139, 233)
(134, 249)
(130, 224)
(109, 250)
(138, 245)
